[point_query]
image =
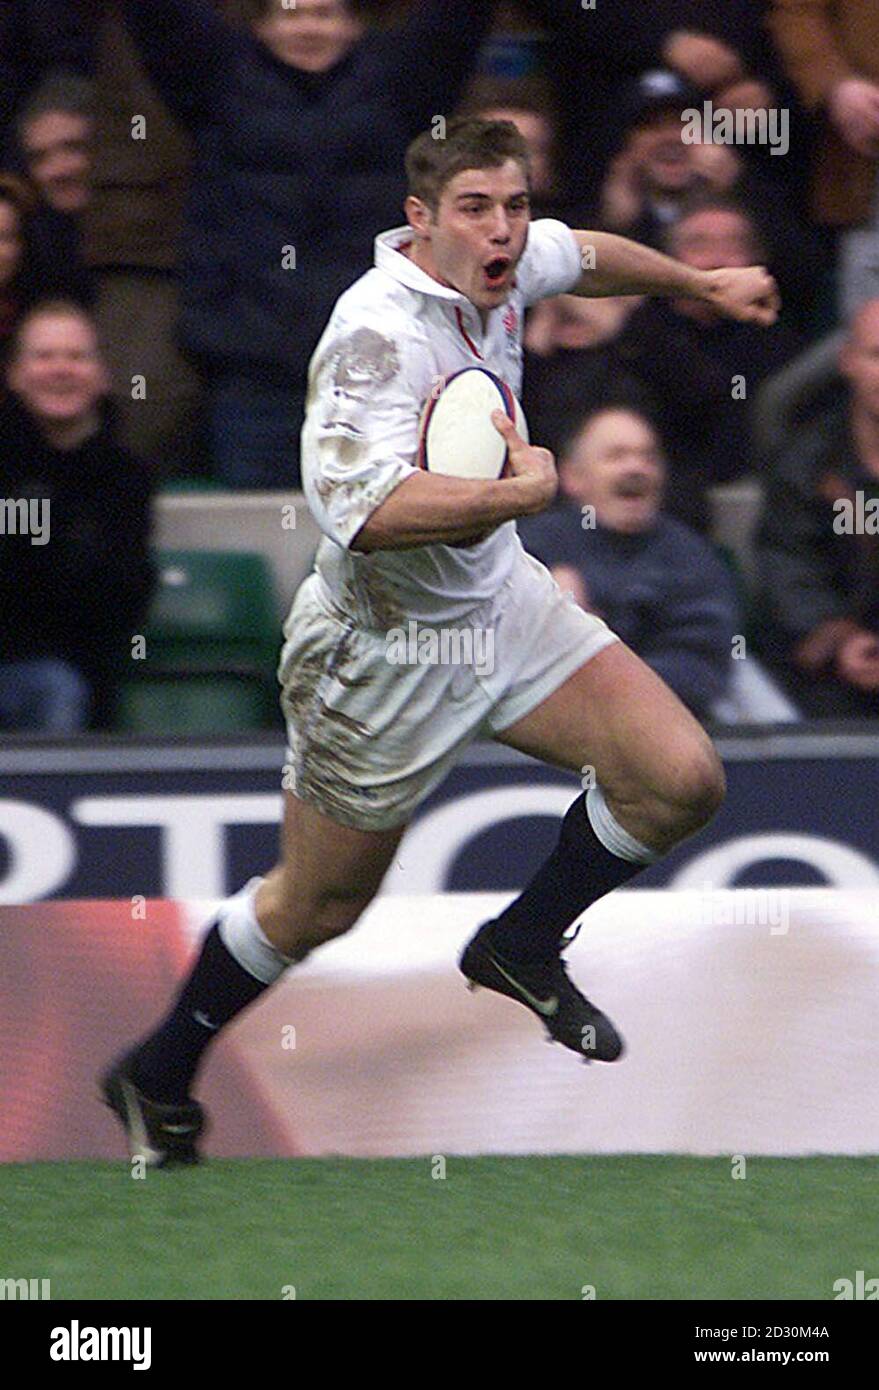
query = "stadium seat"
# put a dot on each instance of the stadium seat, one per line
(211, 645)
(211, 604)
(192, 705)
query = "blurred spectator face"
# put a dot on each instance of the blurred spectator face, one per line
(56, 148)
(57, 370)
(860, 359)
(10, 242)
(714, 238)
(615, 465)
(312, 35)
(538, 133)
(661, 155)
(710, 240)
(478, 233)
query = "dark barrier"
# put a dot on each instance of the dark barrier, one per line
(118, 818)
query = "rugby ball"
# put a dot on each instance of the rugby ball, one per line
(456, 436)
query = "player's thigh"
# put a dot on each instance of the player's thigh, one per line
(324, 861)
(617, 716)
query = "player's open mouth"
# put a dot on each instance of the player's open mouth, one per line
(496, 271)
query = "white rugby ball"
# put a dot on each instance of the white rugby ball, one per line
(456, 436)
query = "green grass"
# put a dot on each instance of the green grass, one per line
(501, 1228)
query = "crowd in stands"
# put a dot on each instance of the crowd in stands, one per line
(187, 186)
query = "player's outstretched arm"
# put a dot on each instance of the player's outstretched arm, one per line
(614, 265)
(428, 509)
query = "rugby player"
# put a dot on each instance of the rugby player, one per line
(370, 739)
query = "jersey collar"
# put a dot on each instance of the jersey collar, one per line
(389, 259)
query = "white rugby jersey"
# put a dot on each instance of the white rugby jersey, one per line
(389, 338)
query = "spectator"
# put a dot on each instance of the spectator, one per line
(701, 371)
(54, 131)
(528, 104)
(832, 55)
(75, 574)
(658, 169)
(596, 52)
(36, 36)
(819, 548)
(830, 49)
(140, 167)
(300, 128)
(567, 370)
(16, 280)
(657, 583)
(131, 229)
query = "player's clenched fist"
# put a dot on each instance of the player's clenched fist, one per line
(749, 294)
(528, 462)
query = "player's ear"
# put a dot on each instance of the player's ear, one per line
(418, 215)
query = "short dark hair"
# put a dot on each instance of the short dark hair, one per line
(60, 90)
(52, 308)
(629, 398)
(707, 200)
(433, 160)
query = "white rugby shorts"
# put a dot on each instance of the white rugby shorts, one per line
(375, 720)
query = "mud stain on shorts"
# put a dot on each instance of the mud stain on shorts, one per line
(325, 741)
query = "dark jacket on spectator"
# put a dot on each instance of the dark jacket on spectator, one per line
(139, 186)
(664, 592)
(560, 390)
(83, 596)
(593, 54)
(688, 368)
(54, 257)
(292, 166)
(812, 572)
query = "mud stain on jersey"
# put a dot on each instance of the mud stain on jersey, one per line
(362, 361)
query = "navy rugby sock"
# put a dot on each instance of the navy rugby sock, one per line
(593, 856)
(218, 988)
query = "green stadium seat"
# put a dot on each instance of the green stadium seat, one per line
(192, 706)
(211, 647)
(209, 601)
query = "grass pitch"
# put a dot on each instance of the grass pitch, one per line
(493, 1228)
